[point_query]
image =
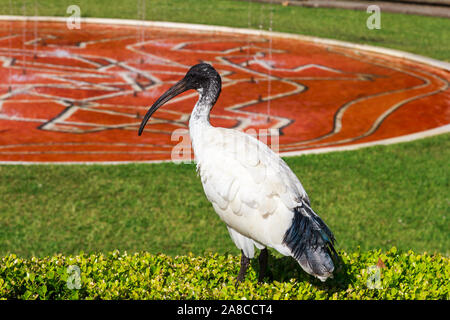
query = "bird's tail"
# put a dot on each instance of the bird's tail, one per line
(311, 242)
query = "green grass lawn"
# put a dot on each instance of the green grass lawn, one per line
(427, 36)
(374, 198)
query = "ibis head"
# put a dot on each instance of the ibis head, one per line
(201, 77)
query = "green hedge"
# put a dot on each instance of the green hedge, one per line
(115, 275)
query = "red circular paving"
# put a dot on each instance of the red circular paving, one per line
(79, 95)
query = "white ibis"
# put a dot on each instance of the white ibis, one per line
(251, 188)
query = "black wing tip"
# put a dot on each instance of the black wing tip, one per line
(308, 231)
(311, 243)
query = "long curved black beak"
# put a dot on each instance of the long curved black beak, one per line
(178, 88)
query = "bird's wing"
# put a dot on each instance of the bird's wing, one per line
(240, 174)
(266, 168)
(262, 201)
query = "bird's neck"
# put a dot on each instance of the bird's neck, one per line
(200, 117)
(200, 114)
(199, 121)
(207, 98)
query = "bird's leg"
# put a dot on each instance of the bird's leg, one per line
(244, 265)
(262, 264)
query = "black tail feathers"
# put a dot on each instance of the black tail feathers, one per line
(311, 242)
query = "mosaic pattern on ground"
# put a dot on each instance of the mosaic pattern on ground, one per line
(80, 95)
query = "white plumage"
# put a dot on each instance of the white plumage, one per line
(251, 188)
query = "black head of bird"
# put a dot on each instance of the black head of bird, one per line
(201, 77)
